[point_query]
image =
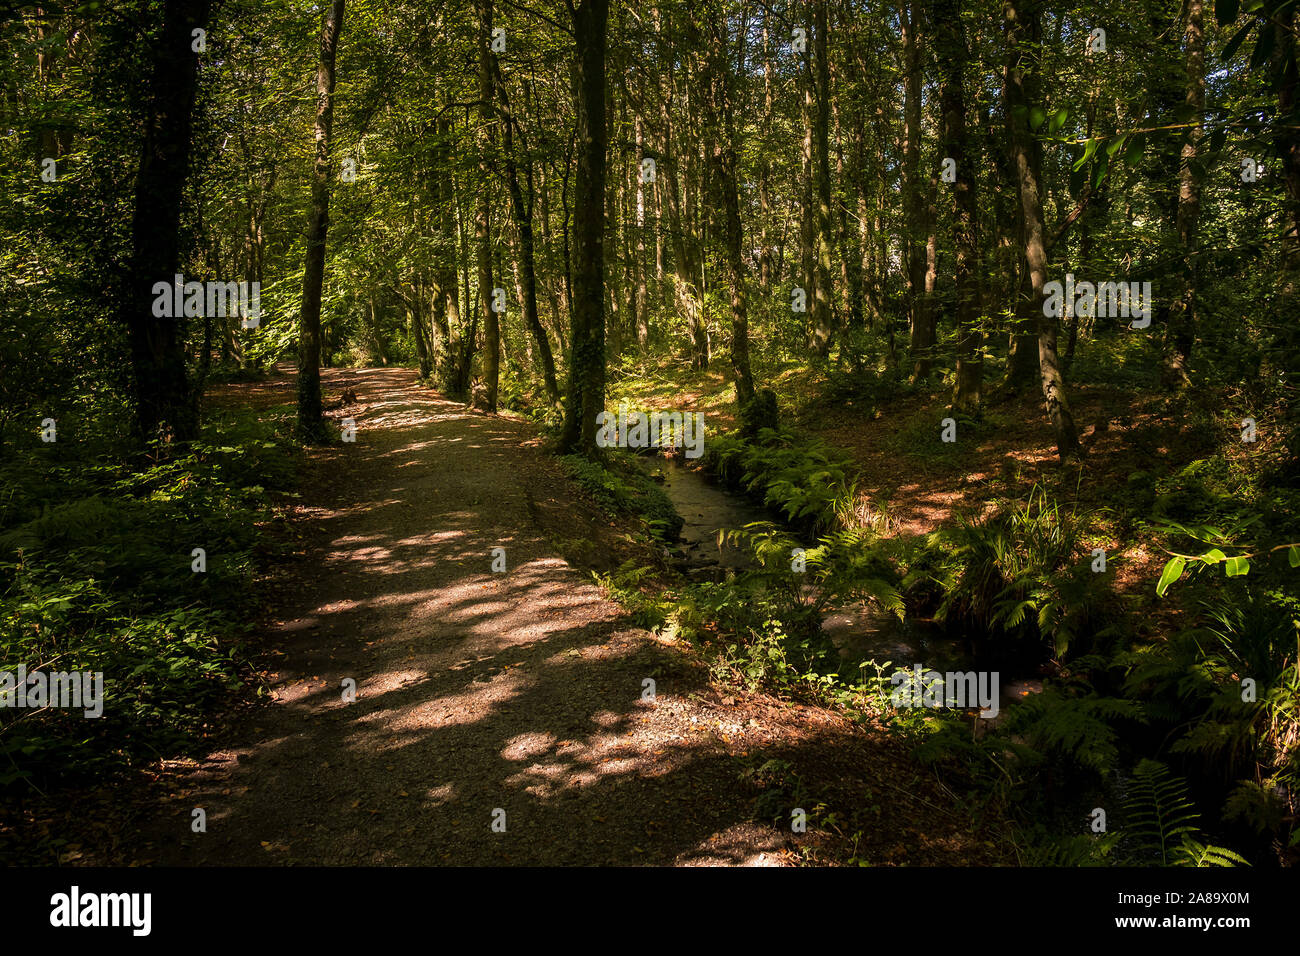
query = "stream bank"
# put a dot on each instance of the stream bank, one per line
(859, 631)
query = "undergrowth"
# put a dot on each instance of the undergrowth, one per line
(621, 488)
(98, 574)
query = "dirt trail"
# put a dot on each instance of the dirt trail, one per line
(476, 691)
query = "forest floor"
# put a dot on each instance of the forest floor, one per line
(479, 692)
(907, 477)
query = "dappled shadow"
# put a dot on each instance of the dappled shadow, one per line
(476, 690)
(921, 490)
(482, 692)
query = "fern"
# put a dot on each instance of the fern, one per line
(1161, 825)
(1193, 680)
(1191, 853)
(69, 525)
(1078, 729)
(806, 480)
(1159, 814)
(1259, 807)
(1080, 849)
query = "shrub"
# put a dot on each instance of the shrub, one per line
(95, 575)
(1017, 576)
(804, 479)
(621, 488)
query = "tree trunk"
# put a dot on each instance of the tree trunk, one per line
(613, 281)
(965, 209)
(1288, 138)
(684, 265)
(822, 320)
(372, 327)
(924, 326)
(852, 174)
(765, 265)
(914, 207)
(725, 150)
(586, 392)
(553, 286)
(483, 214)
(463, 368)
(807, 207)
(523, 217)
(446, 290)
(642, 301)
(1182, 324)
(1022, 348)
(1022, 29)
(165, 403)
(415, 317)
(313, 278)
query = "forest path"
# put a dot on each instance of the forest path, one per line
(475, 691)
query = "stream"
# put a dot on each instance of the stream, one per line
(860, 632)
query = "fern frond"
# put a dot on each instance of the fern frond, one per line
(1159, 813)
(1192, 853)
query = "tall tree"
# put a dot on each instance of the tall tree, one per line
(677, 191)
(454, 371)
(822, 321)
(586, 392)
(1182, 322)
(165, 403)
(915, 227)
(951, 35)
(724, 148)
(522, 211)
(1281, 18)
(1022, 22)
(483, 212)
(642, 301)
(313, 277)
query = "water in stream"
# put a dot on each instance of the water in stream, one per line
(860, 632)
(706, 508)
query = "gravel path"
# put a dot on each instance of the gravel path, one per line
(480, 696)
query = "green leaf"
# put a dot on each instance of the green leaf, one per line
(1293, 555)
(1089, 148)
(1057, 121)
(1133, 152)
(1099, 174)
(1225, 11)
(1172, 572)
(1237, 567)
(1264, 45)
(1213, 556)
(1230, 50)
(1113, 146)
(1036, 117)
